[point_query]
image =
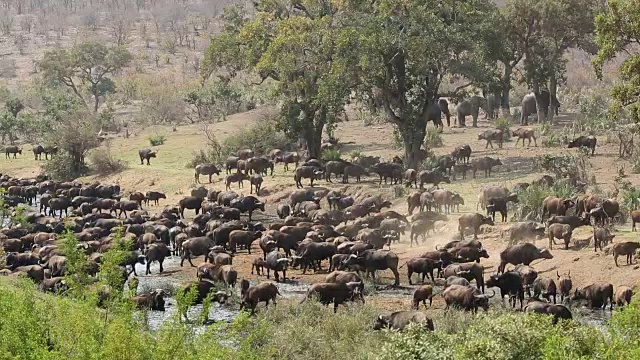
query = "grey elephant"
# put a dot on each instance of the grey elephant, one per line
(529, 105)
(435, 110)
(471, 107)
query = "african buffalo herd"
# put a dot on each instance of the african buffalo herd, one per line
(352, 236)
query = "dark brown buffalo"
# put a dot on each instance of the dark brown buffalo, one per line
(556, 206)
(469, 271)
(510, 283)
(238, 177)
(528, 275)
(411, 177)
(146, 154)
(525, 133)
(468, 298)
(190, 202)
(462, 153)
(306, 172)
(557, 311)
(154, 196)
(572, 220)
(206, 169)
(153, 300)
(627, 248)
(485, 164)
(373, 260)
(390, 171)
(560, 231)
(492, 135)
(422, 294)
(596, 295)
(12, 150)
(401, 319)
(336, 293)
(564, 285)
(522, 254)
(288, 158)
(432, 177)
(251, 295)
(601, 236)
(546, 288)
(468, 254)
(588, 142)
(623, 296)
(446, 198)
(421, 266)
(474, 222)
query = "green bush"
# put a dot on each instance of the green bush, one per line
(330, 155)
(504, 125)
(63, 167)
(433, 138)
(156, 140)
(496, 336)
(261, 137)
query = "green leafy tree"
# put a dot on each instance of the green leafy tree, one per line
(406, 49)
(554, 26)
(618, 31)
(85, 67)
(301, 46)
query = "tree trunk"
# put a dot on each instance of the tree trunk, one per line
(413, 137)
(506, 87)
(539, 109)
(312, 134)
(96, 103)
(553, 88)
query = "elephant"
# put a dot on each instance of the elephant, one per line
(471, 107)
(493, 105)
(529, 105)
(434, 113)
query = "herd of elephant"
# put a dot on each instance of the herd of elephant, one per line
(490, 104)
(350, 237)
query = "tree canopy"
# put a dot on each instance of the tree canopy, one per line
(85, 68)
(618, 31)
(301, 46)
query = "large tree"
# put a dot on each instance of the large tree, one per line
(301, 46)
(554, 26)
(406, 50)
(618, 31)
(85, 68)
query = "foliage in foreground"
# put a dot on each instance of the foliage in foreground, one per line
(38, 326)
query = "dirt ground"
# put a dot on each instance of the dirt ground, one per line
(168, 173)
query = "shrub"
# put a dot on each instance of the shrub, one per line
(631, 197)
(63, 167)
(399, 191)
(331, 155)
(566, 166)
(433, 138)
(529, 206)
(355, 154)
(103, 162)
(156, 140)
(504, 125)
(262, 137)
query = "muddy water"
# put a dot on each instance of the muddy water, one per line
(292, 289)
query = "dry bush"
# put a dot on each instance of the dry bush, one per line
(162, 105)
(103, 162)
(8, 68)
